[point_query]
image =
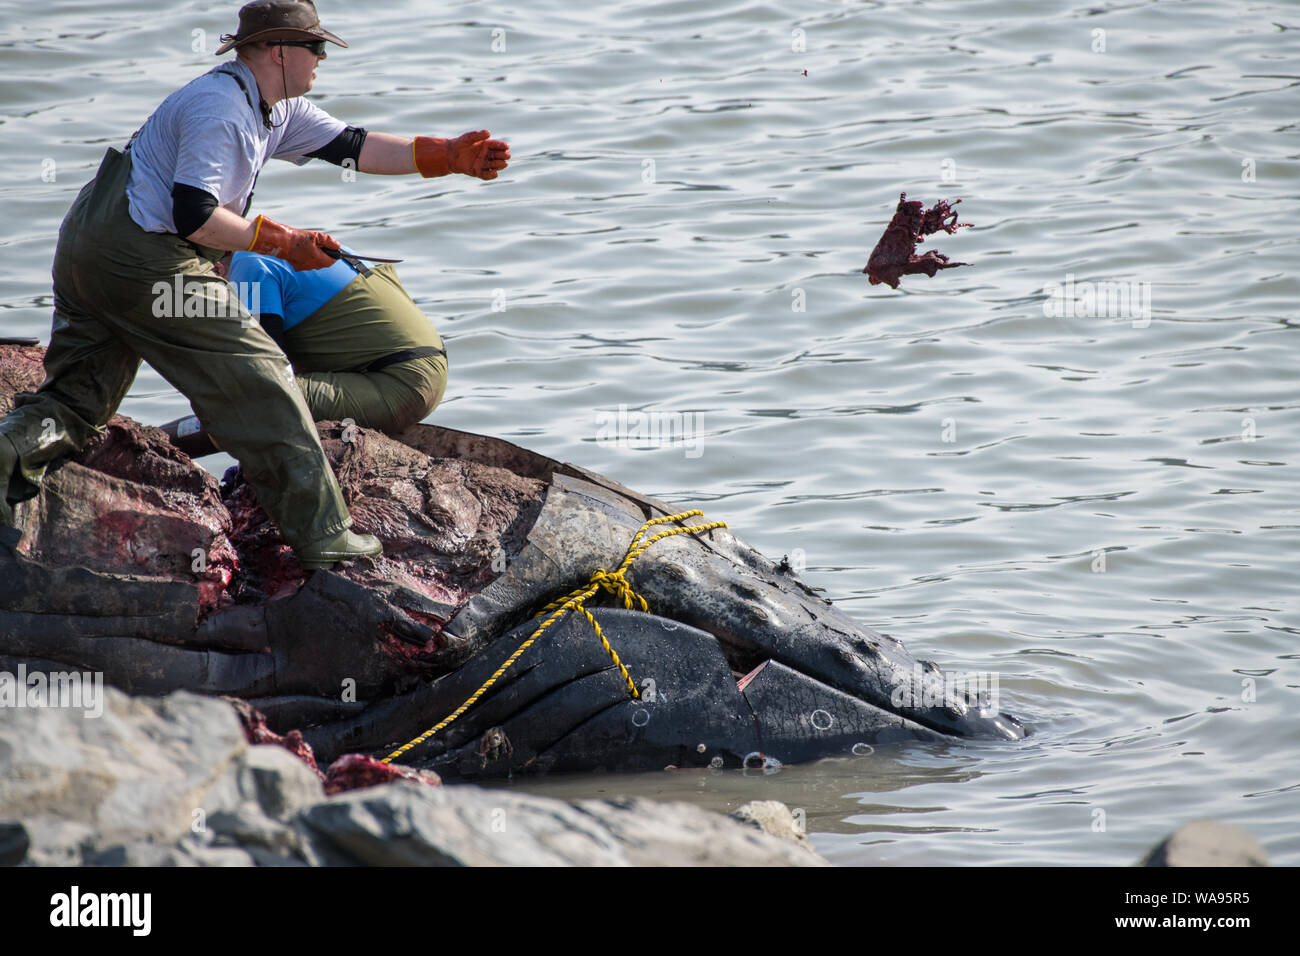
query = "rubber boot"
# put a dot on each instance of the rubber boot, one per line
(189, 435)
(35, 438)
(322, 555)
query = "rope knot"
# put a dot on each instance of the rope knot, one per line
(617, 585)
(612, 581)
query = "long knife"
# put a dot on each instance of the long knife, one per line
(354, 259)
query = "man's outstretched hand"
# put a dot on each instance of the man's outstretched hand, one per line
(474, 154)
(471, 154)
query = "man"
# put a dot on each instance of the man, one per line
(360, 347)
(168, 207)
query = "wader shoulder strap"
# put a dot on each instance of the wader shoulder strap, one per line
(242, 85)
(252, 106)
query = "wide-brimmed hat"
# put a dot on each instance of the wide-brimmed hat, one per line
(264, 20)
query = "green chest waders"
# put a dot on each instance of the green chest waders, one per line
(121, 295)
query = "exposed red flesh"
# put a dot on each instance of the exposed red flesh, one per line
(255, 729)
(349, 772)
(895, 254)
(354, 771)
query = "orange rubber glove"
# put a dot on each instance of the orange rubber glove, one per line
(299, 248)
(472, 154)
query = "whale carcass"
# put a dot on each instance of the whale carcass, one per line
(135, 562)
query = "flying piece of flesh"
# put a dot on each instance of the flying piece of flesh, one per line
(895, 254)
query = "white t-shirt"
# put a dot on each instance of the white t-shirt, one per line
(207, 135)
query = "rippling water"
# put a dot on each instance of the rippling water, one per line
(1101, 510)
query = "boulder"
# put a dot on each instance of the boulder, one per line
(1207, 843)
(174, 781)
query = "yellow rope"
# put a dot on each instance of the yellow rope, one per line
(614, 582)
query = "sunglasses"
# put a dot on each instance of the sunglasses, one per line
(317, 47)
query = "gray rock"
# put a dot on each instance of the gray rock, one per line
(248, 828)
(681, 834)
(405, 824)
(775, 818)
(185, 853)
(137, 772)
(1208, 843)
(55, 842)
(173, 782)
(138, 854)
(409, 824)
(151, 782)
(277, 782)
(252, 807)
(14, 843)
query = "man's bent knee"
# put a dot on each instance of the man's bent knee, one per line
(424, 398)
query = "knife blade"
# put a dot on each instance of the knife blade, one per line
(355, 261)
(340, 254)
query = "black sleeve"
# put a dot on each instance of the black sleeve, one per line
(346, 145)
(273, 324)
(191, 208)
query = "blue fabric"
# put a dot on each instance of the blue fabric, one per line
(281, 290)
(206, 135)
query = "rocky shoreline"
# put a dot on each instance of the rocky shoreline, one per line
(188, 780)
(175, 781)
